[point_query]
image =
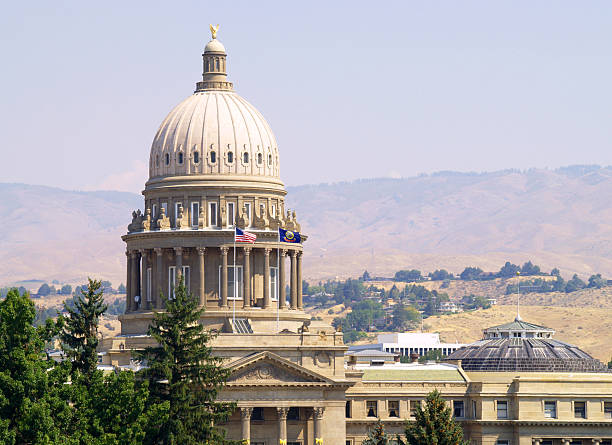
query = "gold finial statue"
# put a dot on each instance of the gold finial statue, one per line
(214, 30)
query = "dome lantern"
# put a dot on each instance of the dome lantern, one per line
(214, 58)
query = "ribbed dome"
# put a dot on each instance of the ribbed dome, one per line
(214, 132)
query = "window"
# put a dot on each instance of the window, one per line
(186, 277)
(230, 157)
(348, 410)
(180, 157)
(195, 214)
(608, 410)
(165, 207)
(156, 160)
(213, 157)
(502, 409)
(262, 210)
(149, 275)
(274, 284)
(196, 157)
(176, 209)
(167, 159)
(293, 413)
(247, 207)
(458, 409)
(548, 442)
(259, 158)
(580, 410)
(154, 211)
(413, 407)
(502, 442)
(171, 281)
(245, 157)
(393, 408)
(371, 408)
(269, 159)
(257, 414)
(231, 214)
(212, 214)
(273, 211)
(230, 283)
(550, 410)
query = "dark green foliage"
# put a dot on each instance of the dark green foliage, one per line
(432, 355)
(434, 424)
(377, 435)
(121, 289)
(117, 307)
(597, 282)
(66, 289)
(574, 284)
(408, 275)
(509, 270)
(405, 317)
(366, 276)
(184, 376)
(471, 273)
(555, 272)
(530, 269)
(440, 275)
(79, 334)
(44, 290)
(475, 302)
(43, 314)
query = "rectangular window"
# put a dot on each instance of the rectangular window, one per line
(149, 275)
(608, 410)
(502, 409)
(186, 277)
(550, 409)
(502, 442)
(394, 408)
(413, 407)
(348, 410)
(580, 410)
(274, 283)
(247, 208)
(262, 210)
(458, 408)
(257, 414)
(230, 282)
(212, 214)
(176, 209)
(293, 413)
(171, 281)
(231, 214)
(371, 408)
(273, 211)
(474, 411)
(548, 442)
(154, 211)
(195, 214)
(164, 206)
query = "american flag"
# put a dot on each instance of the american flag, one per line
(242, 236)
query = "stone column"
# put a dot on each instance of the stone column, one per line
(536, 441)
(144, 303)
(318, 423)
(246, 278)
(245, 417)
(159, 274)
(299, 280)
(178, 253)
(202, 273)
(135, 285)
(282, 424)
(128, 282)
(266, 286)
(224, 276)
(293, 282)
(596, 441)
(566, 441)
(282, 283)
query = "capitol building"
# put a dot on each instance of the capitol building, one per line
(215, 165)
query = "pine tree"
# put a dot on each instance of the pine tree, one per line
(377, 436)
(79, 335)
(185, 376)
(434, 424)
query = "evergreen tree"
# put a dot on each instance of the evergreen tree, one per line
(79, 334)
(377, 436)
(185, 376)
(434, 424)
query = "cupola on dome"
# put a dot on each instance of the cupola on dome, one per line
(214, 131)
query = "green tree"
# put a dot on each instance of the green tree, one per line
(509, 270)
(377, 435)
(184, 375)
(555, 272)
(434, 424)
(66, 289)
(366, 276)
(44, 290)
(408, 275)
(441, 275)
(405, 317)
(471, 273)
(574, 284)
(121, 289)
(597, 282)
(34, 406)
(79, 334)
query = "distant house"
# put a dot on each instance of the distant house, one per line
(449, 306)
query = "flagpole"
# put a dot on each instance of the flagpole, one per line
(278, 281)
(234, 311)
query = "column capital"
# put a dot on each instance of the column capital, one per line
(536, 441)
(224, 250)
(245, 413)
(143, 252)
(283, 252)
(247, 250)
(282, 412)
(127, 253)
(299, 253)
(318, 412)
(596, 441)
(293, 253)
(178, 250)
(159, 251)
(201, 250)
(267, 251)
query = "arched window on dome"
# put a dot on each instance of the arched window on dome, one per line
(196, 157)
(259, 158)
(156, 160)
(217, 64)
(245, 157)
(269, 159)
(180, 158)
(230, 157)
(213, 157)
(167, 159)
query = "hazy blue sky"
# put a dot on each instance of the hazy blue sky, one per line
(351, 89)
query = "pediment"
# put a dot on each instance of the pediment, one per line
(269, 369)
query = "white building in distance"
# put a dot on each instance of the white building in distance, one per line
(410, 343)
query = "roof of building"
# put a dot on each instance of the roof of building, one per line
(370, 353)
(412, 373)
(519, 325)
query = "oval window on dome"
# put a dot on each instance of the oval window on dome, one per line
(259, 158)
(230, 156)
(245, 158)
(213, 157)
(196, 157)
(180, 156)
(167, 159)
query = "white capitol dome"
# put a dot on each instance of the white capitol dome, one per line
(214, 131)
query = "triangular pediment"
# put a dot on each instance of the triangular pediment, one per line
(266, 368)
